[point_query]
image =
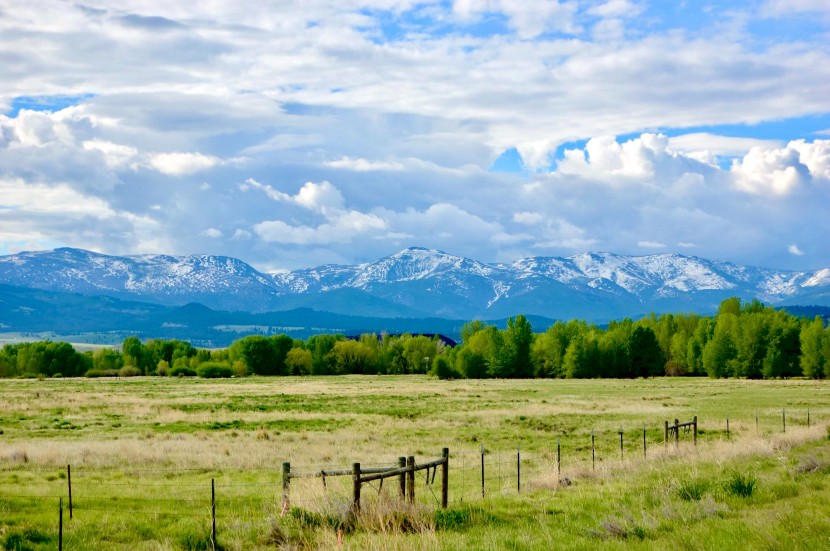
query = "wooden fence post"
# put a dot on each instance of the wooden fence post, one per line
(445, 477)
(482, 470)
(518, 469)
(410, 478)
(727, 428)
(665, 433)
(69, 483)
(558, 455)
(621, 443)
(808, 418)
(784, 418)
(694, 420)
(402, 478)
(593, 452)
(644, 441)
(356, 486)
(676, 432)
(213, 514)
(286, 484)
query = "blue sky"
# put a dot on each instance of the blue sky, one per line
(291, 134)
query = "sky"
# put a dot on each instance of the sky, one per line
(291, 134)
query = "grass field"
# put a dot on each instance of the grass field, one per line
(143, 453)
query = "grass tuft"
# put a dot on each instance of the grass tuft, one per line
(740, 484)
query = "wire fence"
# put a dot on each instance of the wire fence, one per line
(222, 501)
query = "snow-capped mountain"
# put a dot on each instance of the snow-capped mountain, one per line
(419, 282)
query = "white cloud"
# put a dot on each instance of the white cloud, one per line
(181, 164)
(783, 170)
(528, 218)
(651, 244)
(698, 142)
(213, 233)
(794, 250)
(341, 229)
(322, 197)
(363, 165)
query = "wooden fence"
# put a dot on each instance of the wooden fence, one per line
(405, 472)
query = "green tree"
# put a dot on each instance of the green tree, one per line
(298, 361)
(813, 339)
(647, 359)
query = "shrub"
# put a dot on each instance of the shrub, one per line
(692, 490)
(129, 371)
(214, 370)
(182, 371)
(163, 368)
(92, 373)
(739, 484)
(442, 368)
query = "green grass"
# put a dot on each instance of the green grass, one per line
(143, 452)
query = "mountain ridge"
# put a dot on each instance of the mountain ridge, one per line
(421, 282)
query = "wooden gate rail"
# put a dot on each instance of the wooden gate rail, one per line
(401, 471)
(675, 429)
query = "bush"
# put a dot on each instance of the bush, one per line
(692, 490)
(92, 373)
(129, 371)
(739, 484)
(182, 371)
(443, 369)
(214, 370)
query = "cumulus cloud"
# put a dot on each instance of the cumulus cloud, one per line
(782, 171)
(179, 164)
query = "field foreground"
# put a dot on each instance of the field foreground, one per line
(143, 454)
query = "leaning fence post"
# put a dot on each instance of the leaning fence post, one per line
(286, 484)
(60, 524)
(402, 477)
(482, 470)
(213, 513)
(69, 483)
(445, 477)
(518, 469)
(694, 420)
(410, 478)
(356, 486)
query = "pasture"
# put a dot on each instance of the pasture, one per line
(145, 453)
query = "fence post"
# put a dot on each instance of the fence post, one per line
(445, 477)
(356, 486)
(286, 484)
(518, 469)
(665, 433)
(60, 524)
(676, 432)
(482, 470)
(402, 478)
(808, 418)
(69, 483)
(694, 420)
(410, 478)
(644, 441)
(593, 452)
(213, 513)
(784, 418)
(621, 443)
(558, 455)
(727, 428)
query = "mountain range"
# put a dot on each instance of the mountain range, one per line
(420, 283)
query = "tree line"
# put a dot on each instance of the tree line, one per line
(747, 340)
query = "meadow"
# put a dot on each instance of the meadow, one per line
(144, 453)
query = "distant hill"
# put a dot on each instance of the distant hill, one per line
(415, 283)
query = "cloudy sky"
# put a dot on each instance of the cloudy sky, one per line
(295, 133)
